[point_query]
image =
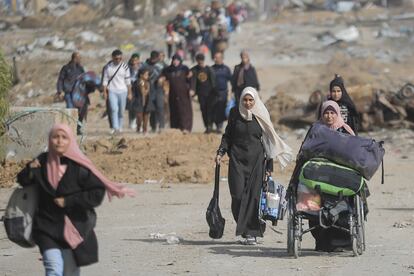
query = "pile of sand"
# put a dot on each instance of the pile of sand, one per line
(171, 157)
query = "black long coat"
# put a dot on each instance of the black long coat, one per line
(82, 191)
(181, 112)
(242, 141)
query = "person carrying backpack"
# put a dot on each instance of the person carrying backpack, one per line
(67, 77)
(84, 85)
(69, 188)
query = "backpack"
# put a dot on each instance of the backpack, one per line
(331, 178)
(362, 154)
(79, 95)
(79, 91)
(19, 215)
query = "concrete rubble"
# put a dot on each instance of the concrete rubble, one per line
(377, 108)
(89, 36)
(25, 142)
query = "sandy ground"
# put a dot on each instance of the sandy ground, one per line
(288, 59)
(126, 248)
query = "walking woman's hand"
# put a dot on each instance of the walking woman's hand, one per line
(218, 159)
(60, 201)
(34, 164)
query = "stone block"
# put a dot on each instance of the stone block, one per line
(28, 129)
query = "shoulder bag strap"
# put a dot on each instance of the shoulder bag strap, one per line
(113, 76)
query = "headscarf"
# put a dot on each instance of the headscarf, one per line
(55, 171)
(345, 99)
(177, 57)
(273, 144)
(339, 122)
(172, 68)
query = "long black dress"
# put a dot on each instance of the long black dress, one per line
(181, 112)
(242, 142)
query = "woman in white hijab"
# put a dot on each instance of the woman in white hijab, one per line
(251, 142)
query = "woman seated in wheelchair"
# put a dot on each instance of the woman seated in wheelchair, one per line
(327, 219)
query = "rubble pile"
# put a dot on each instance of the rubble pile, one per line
(377, 108)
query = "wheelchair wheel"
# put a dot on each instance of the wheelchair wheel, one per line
(293, 231)
(298, 237)
(290, 228)
(361, 224)
(357, 227)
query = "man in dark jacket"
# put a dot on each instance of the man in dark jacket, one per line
(203, 83)
(223, 77)
(67, 77)
(244, 75)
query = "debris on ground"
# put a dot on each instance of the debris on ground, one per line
(377, 108)
(403, 224)
(170, 238)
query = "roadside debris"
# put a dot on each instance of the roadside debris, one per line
(89, 36)
(350, 34)
(170, 238)
(403, 224)
(376, 107)
(117, 23)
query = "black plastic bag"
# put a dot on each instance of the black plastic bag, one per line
(213, 215)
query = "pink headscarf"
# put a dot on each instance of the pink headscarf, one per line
(55, 172)
(339, 122)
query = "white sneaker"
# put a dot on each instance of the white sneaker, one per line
(133, 124)
(112, 131)
(249, 241)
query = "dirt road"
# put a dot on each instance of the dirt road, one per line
(126, 248)
(124, 226)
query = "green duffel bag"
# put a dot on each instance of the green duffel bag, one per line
(331, 178)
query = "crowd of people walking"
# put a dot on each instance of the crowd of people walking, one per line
(203, 31)
(154, 91)
(157, 92)
(70, 186)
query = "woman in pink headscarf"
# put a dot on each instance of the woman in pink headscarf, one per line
(70, 187)
(331, 116)
(330, 239)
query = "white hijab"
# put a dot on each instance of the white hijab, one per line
(273, 144)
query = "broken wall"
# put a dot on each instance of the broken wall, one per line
(28, 128)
